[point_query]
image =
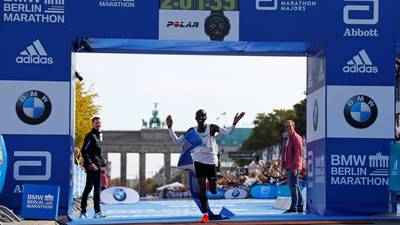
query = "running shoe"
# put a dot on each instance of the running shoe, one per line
(83, 216)
(99, 215)
(204, 219)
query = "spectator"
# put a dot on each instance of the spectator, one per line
(292, 149)
(105, 182)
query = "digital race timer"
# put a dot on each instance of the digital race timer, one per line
(214, 5)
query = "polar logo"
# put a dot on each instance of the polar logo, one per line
(266, 4)
(360, 63)
(34, 54)
(370, 6)
(18, 175)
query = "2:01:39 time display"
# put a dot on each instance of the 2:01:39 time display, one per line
(215, 5)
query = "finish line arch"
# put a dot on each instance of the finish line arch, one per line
(350, 47)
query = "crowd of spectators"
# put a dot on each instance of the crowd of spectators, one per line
(257, 172)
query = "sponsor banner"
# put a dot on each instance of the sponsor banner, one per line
(316, 176)
(358, 174)
(33, 56)
(316, 71)
(3, 162)
(361, 19)
(394, 175)
(235, 193)
(119, 195)
(32, 107)
(264, 191)
(282, 20)
(361, 64)
(40, 202)
(36, 159)
(34, 12)
(316, 115)
(200, 25)
(360, 112)
(115, 19)
(242, 155)
(398, 25)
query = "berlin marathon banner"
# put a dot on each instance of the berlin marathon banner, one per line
(33, 11)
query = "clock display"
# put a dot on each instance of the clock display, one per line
(214, 5)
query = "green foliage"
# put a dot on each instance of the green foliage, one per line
(151, 186)
(301, 117)
(269, 127)
(84, 112)
(116, 181)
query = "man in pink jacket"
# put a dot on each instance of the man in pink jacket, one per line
(292, 148)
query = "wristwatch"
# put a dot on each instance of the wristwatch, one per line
(217, 26)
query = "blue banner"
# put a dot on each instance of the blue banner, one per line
(35, 55)
(357, 172)
(394, 176)
(36, 159)
(136, 19)
(316, 177)
(3, 163)
(281, 20)
(358, 27)
(40, 202)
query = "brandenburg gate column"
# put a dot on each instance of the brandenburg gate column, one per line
(142, 174)
(167, 167)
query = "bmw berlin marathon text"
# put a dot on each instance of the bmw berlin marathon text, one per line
(363, 170)
(40, 201)
(33, 11)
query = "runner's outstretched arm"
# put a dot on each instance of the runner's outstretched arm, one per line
(230, 129)
(174, 138)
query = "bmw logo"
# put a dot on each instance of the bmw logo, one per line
(360, 111)
(33, 107)
(119, 194)
(235, 193)
(315, 115)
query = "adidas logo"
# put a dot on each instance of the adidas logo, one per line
(34, 54)
(360, 63)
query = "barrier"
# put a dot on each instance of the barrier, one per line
(264, 191)
(236, 193)
(219, 195)
(394, 178)
(79, 181)
(119, 195)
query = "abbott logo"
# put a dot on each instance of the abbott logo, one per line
(360, 63)
(34, 54)
(370, 6)
(266, 4)
(19, 164)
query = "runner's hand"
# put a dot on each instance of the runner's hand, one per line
(238, 117)
(169, 121)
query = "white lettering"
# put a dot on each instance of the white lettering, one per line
(32, 163)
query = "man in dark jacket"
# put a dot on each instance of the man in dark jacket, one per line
(93, 161)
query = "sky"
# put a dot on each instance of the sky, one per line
(129, 84)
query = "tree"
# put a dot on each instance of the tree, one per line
(85, 110)
(116, 181)
(151, 186)
(301, 117)
(269, 127)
